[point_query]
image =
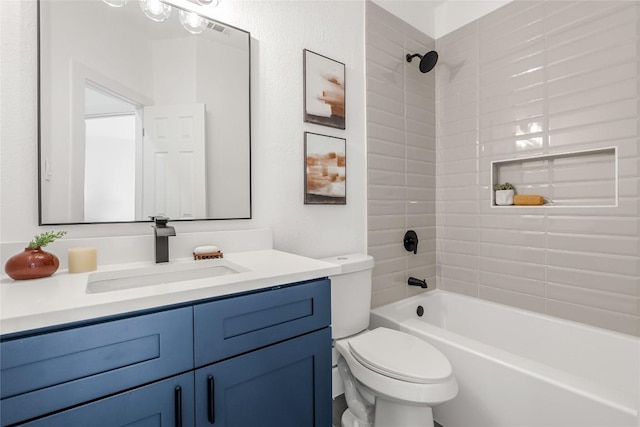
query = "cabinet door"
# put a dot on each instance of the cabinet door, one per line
(283, 385)
(161, 404)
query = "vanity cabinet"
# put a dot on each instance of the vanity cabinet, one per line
(261, 358)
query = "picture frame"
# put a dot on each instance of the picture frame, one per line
(324, 90)
(325, 170)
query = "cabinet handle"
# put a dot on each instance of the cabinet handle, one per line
(177, 395)
(211, 397)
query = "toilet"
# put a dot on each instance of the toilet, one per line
(390, 378)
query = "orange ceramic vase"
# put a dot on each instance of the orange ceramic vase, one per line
(31, 264)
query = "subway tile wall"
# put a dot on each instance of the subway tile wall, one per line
(537, 78)
(401, 131)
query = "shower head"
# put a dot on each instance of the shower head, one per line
(427, 61)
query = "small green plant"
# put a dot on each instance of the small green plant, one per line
(505, 186)
(45, 238)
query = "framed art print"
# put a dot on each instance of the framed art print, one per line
(325, 172)
(324, 90)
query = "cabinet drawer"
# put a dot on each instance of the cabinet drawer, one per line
(167, 403)
(229, 327)
(45, 373)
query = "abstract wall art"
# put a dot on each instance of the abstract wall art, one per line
(324, 90)
(325, 178)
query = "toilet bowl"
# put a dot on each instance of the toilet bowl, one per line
(400, 374)
(390, 378)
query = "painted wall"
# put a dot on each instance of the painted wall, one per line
(541, 78)
(280, 31)
(401, 155)
(436, 18)
(453, 14)
(419, 14)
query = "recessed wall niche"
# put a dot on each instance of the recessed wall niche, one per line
(587, 178)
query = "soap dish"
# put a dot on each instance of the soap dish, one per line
(208, 255)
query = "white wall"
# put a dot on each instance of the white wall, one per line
(453, 14)
(280, 31)
(439, 17)
(420, 14)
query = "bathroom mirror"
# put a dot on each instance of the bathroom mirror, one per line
(141, 114)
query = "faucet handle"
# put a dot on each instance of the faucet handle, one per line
(411, 241)
(161, 221)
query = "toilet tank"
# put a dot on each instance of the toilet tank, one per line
(350, 294)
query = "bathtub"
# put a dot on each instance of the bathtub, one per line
(517, 368)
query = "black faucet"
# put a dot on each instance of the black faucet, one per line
(162, 232)
(417, 282)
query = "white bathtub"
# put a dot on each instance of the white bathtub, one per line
(517, 368)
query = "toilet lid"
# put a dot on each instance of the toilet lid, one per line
(401, 356)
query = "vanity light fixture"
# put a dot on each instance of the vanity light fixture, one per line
(159, 11)
(116, 3)
(192, 22)
(155, 10)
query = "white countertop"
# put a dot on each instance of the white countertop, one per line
(62, 298)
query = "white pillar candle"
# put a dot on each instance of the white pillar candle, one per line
(82, 259)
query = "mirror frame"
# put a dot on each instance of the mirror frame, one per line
(40, 166)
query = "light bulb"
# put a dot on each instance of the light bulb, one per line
(116, 3)
(155, 10)
(192, 22)
(213, 3)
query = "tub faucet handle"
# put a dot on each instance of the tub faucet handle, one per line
(411, 241)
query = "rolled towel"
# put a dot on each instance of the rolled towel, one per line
(528, 200)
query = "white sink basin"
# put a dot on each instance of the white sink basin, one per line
(159, 274)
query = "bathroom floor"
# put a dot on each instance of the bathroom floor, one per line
(340, 405)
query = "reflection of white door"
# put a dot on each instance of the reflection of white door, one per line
(174, 161)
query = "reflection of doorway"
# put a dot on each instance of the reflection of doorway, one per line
(109, 157)
(174, 183)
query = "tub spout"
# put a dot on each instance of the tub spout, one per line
(417, 282)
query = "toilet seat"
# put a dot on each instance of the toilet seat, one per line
(400, 356)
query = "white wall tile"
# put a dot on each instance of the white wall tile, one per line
(593, 316)
(618, 303)
(520, 81)
(617, 283)
(515, 299)
(401, 125)
(525, 82)
(513, 284)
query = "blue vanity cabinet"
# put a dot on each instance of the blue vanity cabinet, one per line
(256, 359)
(48, 372)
